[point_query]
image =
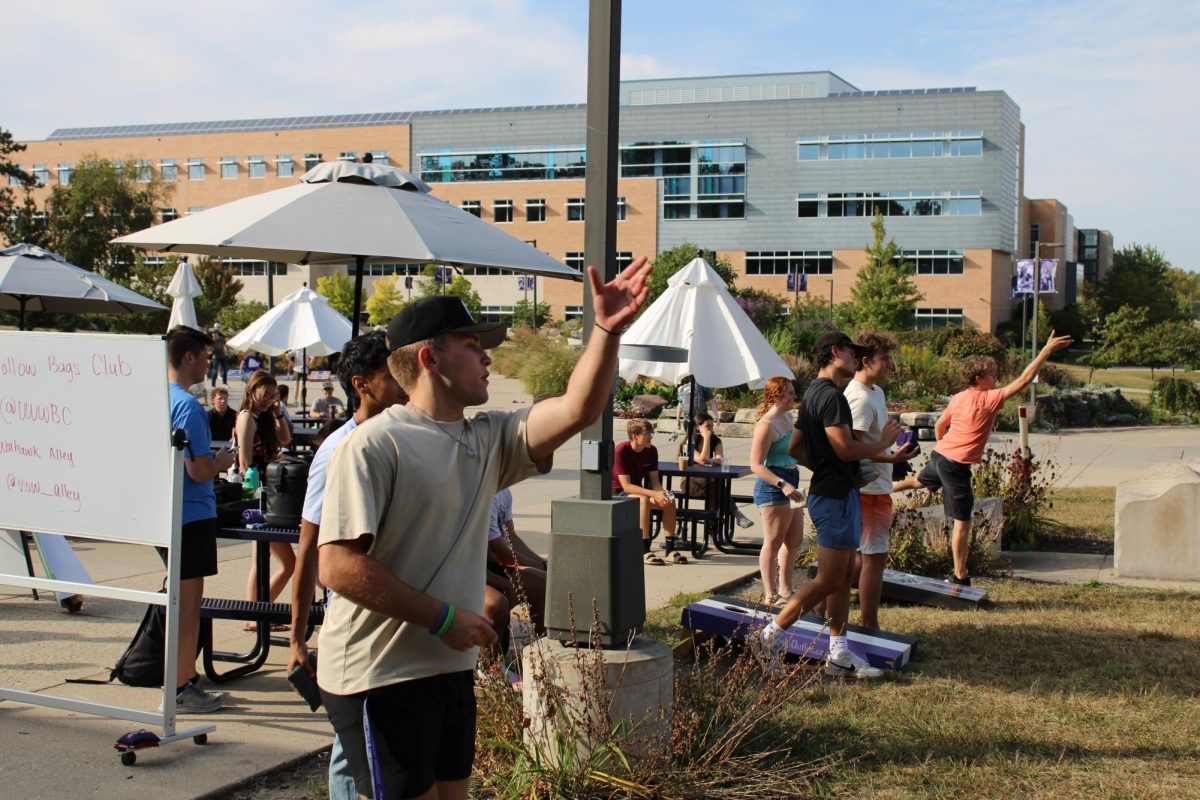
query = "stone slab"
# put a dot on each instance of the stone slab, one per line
(1158, 523)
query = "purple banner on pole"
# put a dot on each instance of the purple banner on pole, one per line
(1025, 276)
(1049, 267)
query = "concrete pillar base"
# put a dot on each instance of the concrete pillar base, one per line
(573, 694)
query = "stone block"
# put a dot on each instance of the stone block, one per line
(926, 435)
(1158, 523)
(746, 415)
(574, 693)
(648, 406)
(734, 430)
(920, 419)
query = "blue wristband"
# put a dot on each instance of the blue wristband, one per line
(441, 619)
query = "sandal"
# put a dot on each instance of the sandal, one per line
(652, 559)
(676, 557)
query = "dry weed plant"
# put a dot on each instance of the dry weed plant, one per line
(725, 740)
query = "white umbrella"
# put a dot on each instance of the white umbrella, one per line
(697, 313)
(33, 279)
(183, 287)
(346, 211)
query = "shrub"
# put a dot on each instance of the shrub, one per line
(1023, 485)
(627, 390)
(975, 344)
(542, 363)
(782, 339)
(1175, 396)
(763, 308)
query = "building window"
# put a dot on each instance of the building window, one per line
(195, 169)
(535, 209)
(142, 171)
(1090, 238)
(935, 262)
(502, 211)
(285, 167)
(64, 174)
(789, 262)
(1035, 234)
(256, 166)
(13, 180)
(248, 268)
(574, 260)
(573, 312)
(41, 174)
(496, 314)
(1089, 254)
(575, 209)
(311, 160)
(168, 170)
(229, 167)
(922, 144)
(473, 207)
(623, 258)
(890, 204)
(380, 270)
(937, 317)
(348, 155)
(379, 156)
(195, 209)
(168, 214)
(622, 210)
(502, 164)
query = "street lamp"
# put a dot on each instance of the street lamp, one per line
(1037, 287)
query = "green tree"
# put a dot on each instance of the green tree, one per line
(523, 313)
(884, 295)
(149, 280)
(1139, 278)
(338, 289)
(103, 201)
(386, 301)
(1185, 287)
(428, 286)
(1043, 324)
(220, 287)
(1176, 342)
(237, 317)
(671, 261)
(1120, 339)
(10, 172)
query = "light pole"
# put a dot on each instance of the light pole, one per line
(1037, 287)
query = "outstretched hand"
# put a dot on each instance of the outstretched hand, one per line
(617, 302)
(1058, 342)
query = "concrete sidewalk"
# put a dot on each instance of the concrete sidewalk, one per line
(60, 754)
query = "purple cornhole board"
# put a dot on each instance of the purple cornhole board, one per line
(909, 588)
(807, 638)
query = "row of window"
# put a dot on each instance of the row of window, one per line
(925, 144)
(535, 209)
(229, 167)
(820, 262)
(890, 204)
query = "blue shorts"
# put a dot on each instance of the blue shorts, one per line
(838, 521)
(765, 494)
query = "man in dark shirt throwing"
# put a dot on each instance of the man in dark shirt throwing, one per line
(824, 433)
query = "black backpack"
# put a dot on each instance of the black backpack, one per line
(142, 664)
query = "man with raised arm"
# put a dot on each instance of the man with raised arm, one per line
(832, 453)
(403, 537)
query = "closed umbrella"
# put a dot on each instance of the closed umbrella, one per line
(697, 313)
(184, 288)
(33, 279)
(303, 321)
(346, 211)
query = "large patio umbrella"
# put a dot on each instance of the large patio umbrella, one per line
(697, 313)
(343, 212)
(184, 288)
(303, 321)
(33, 279)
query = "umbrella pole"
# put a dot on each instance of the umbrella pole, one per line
(304, 383)
(691, 421)
(358, 276)
(21, 315)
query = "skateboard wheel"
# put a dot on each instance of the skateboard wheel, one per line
(201, 738)
(129, 758)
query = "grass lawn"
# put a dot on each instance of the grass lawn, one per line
(1136, 379)
(1086, 516)
(1057, 692)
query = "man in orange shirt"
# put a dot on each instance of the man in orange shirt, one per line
(962, 433)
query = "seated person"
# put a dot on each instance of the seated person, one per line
(283, 407)
(635, 473)
(513, 568)
(327, 406)
(707, 450)
(221, 418)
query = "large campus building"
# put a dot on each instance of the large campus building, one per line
(778, 173)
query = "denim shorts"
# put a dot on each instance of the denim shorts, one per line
(838, 521)
(766, 494)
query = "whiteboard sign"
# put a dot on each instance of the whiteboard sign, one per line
(85, 429)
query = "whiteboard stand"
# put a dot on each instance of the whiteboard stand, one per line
(88, 401)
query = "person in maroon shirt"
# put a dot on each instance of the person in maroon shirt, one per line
(635, 473)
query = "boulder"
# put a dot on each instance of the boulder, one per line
(734, 430)
(1158, 523)
(987, 522)
(647, 406)
(746, 415)
(920, 419)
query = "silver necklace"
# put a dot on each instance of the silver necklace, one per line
(471, 451)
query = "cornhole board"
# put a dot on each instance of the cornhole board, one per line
(908, 588)
(808, 637)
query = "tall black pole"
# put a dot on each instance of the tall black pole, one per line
(600, 200)
(270, 284)
(358, 276)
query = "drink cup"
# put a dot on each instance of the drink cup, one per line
(683, 462)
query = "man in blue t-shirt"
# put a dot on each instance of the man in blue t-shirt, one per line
(187, 363)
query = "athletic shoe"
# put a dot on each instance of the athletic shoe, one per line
(851, 665)
(741, 519)
(191, 700)
(957, 581)
(768, 650)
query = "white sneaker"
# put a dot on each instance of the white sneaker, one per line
(191, 700)
(741, 519)
(850, 665)
(768, 650)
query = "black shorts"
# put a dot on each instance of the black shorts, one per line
(954, 479)
(198, 553)
(421, 732)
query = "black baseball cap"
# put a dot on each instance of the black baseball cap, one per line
(837, 339)
(433, 316)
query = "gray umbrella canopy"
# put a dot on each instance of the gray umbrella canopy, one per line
(33, 279)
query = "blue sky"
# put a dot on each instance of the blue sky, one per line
(1106, 90)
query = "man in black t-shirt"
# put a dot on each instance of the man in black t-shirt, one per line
(832, 453)
(221, 418)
